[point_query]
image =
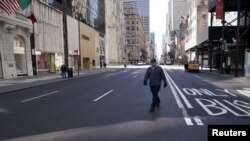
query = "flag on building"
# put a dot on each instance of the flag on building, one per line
(26, 6)
(219, 9)
(183, 20)
(9, 6)
(183, 38)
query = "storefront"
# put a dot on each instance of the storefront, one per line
(100, 50)
(20, 56)
(49, 45)
(88, 46)
(73, 42)
(73, 59)
(15, 48)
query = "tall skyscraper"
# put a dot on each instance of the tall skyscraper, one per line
(178, 15)
(177, 9)
(143, 10)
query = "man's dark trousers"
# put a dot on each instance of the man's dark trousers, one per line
(155, 90)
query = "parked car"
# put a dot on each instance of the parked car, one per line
(193, 66)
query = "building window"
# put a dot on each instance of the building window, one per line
(137, 22)
(128, 28)
(127, 22)
(137, 28)
(132, 28)
(133, 22)
(20, 55)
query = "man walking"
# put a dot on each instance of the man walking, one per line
(155, 75)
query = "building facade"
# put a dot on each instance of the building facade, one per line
(152, 53)
(198, 23)
(92, 14)
(49, 44)
(143, 8)
(178, 12)
(177, 9)
(88, 43)
(15, 47)
(135, 35)
(115, 33)
(73, 42)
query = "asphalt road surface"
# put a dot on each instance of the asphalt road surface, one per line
(115, 106)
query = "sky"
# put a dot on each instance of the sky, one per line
(158, 11)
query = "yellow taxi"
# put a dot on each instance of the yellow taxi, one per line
(193, 66)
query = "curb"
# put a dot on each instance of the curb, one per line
(217, 74)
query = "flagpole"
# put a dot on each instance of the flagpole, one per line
(33, 48)
(33, 51)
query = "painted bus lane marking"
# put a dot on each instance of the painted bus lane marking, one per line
(220, 102)
(175, 90)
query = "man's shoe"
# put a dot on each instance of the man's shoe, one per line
(151, 110)
(157, 105)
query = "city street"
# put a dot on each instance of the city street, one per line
(114, 105)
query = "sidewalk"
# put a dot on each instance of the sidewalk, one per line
(241, 76)
(21, 83)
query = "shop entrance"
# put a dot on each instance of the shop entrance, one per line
(86, 63)
(20, 56)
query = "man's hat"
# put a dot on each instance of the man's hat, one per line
(153, 60)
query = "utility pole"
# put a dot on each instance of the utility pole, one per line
(238, 40)
(222, 41)
(33, 51)
(65, 33)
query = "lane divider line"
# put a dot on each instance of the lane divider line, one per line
(103, 95)
(180, 93)
(179, 103)
(197, 76)
(198, 121)
(39, 96)
(188, 121)
(178, 100)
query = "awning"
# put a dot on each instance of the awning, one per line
(215, 32)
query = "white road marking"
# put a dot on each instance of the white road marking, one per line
(4, 111)
(109, 75)
(103, 95)
(198, 121)
(178, 100)
(106, 76)
(180, 92)
(226, 91)
(39, 96)
(125, 71)
(230, 110)
(188, 121)
(197, 76)
(135, 76)
(245, 91)
(2, 85)
(179, 103)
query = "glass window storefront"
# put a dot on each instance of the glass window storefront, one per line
(91, 12)
(20, 56)
(43, 62)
